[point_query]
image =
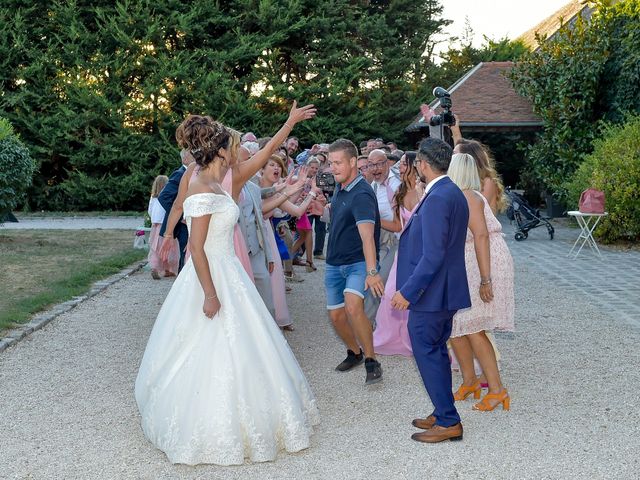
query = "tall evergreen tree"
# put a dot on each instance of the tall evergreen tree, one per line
(97, 88)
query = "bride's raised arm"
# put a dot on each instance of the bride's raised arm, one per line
(244, 171)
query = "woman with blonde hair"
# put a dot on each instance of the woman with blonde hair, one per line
(490, 276)
(490, 183)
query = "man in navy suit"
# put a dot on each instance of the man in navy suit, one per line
(167, 197)
(432, 282)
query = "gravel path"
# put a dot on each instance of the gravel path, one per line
(75, 223)
(68, 411)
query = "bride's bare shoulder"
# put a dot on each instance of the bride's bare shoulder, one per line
(198, 186)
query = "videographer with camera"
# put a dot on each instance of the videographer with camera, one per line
(438, 122)
(491, 183)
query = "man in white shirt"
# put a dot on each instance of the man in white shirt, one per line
(385, 185)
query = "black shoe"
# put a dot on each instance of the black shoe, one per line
(351, 361)
(374, 371)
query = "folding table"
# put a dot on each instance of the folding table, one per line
(588, 223)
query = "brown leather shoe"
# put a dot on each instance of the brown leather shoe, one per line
(424, 423)
(439, 434)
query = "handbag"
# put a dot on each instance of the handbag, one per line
(591, 201)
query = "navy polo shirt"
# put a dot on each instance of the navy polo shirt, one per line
(355, 203)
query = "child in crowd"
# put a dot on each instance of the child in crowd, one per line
(157, 213)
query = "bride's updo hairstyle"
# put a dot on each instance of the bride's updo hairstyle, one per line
(204, 137)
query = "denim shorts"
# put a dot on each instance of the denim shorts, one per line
(344, 278)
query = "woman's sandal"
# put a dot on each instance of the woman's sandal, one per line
(463, 392)
(485, 405)
(310, 266)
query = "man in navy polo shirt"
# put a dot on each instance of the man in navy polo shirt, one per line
(352, 259)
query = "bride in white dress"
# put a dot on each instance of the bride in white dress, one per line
(218, 382)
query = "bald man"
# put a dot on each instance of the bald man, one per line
(385, 185)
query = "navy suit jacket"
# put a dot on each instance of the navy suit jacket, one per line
(166, 198)
(431, 272)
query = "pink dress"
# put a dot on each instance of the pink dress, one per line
(391, 336)
(239, 244)
(303, 222)
(156, 212)
(283, 318)
(155, 262)
(499, 313)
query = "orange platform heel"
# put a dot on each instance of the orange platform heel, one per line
(463, 392)
(485, 406)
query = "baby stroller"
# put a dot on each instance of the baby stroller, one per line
(525, 216)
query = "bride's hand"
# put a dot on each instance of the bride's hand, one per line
(299, 114)
(211, 307)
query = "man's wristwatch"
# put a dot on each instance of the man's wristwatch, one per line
(372, 273)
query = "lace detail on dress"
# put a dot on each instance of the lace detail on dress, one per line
(201, 204)
(224, 215)
(499, 313)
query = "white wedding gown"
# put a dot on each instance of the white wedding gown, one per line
(224, 389)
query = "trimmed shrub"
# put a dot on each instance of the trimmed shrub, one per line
(614, 168)
(16, 169)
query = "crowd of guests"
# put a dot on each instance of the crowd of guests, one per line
(285, 197)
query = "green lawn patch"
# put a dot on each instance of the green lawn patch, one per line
(41, 268)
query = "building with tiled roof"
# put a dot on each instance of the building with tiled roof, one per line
(485, 101)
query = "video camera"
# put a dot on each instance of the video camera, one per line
(326, 182)
(446, 117)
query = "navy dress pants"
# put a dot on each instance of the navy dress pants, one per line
(429, 332)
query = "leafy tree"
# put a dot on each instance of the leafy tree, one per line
(588, 72)
(97, 88)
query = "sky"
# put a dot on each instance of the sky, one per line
(497, 18)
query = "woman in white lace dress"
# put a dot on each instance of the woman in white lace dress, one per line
(490, 274)
(218, 382)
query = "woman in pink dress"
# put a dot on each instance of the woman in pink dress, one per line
(391, 336)
(283, 200)
(490, 275)
(239, 244)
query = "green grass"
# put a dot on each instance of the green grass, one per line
(41, 268)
